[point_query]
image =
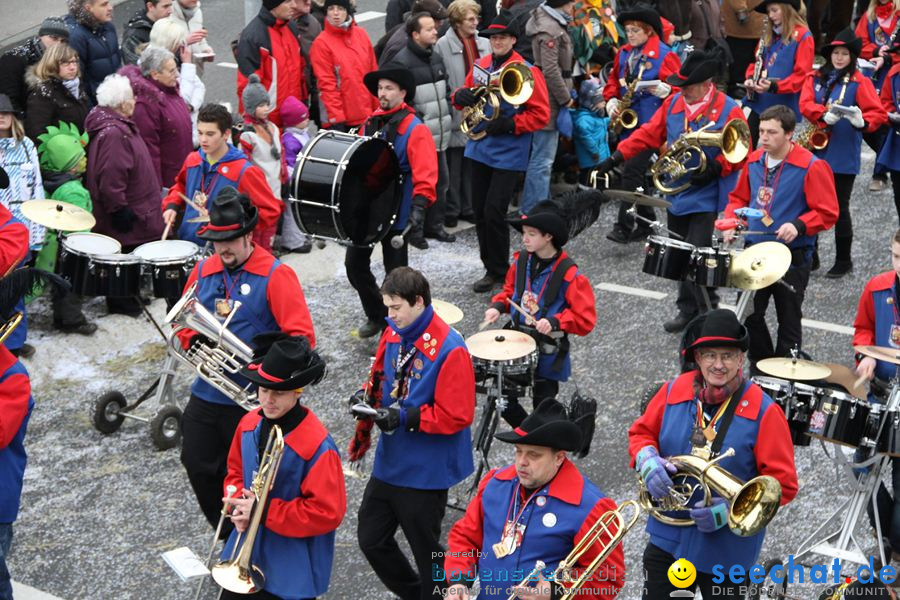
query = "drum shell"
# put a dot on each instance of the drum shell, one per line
(889, 440)
(840, 418)
(515, 366)
(78, 268)
(796, 400)
(168, 279)
(668, 258)
(711, 267)
(115, 277)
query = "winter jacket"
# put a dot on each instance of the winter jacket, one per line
(164, 121)
(13, 64)
(50, 102)
(20, 161)
(340, 58)
(552, 50)
(752, 28)
(590, 137)
(269, 47)
(706, 23)
(190, 24)
(193, 92)
(450, 48)
(293, 141)
(137, 32)
(97, 47)
(432, 93)
(393, 42)
(120, 174)
(66, 188)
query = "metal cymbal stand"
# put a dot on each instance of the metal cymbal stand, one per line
(656, 226)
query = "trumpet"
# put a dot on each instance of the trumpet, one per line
(514, 84)
(686, 156)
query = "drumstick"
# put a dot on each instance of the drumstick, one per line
(528, 318)
(192, 204)
(860, 382)
(166, 231)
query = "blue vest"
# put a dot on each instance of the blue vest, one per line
(252, 318)
(643, 103)
(415, 459)
(842, 152)
(13, 458)
(779, 60)
(211, 185)
(697, 199)
(884, 302)
(16, 339)
(294, 567)
(880, 38)
(788, 203)
(722, 547)
(889, 155)
(400, 142)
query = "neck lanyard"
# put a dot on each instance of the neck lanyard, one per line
(229, 282)
(401, 373)
(774, 47)
(514, 502)
(774, 187)
(212, 180)
(896, 299)
(711, 424)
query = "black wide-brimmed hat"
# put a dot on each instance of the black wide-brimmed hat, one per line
(396, 73)
(6, 104)
(288, 364)
(845, 38)
(547, 426)
(502, 23)
(697, 67)
(717, 328)
(761, 7)
(230, 216)
(643, 13)
(545, 218)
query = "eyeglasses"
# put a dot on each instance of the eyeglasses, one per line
(73, 61)
(728, 358)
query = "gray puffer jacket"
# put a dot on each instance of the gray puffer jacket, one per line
(450, 48)
(432, 92)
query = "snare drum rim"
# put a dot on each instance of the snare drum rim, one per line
(89, 235)
(670, 242)
(115, 259)
(168, 260)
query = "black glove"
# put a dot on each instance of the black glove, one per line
(610, 163)
(417, 212)
(341, 127)
(388, 419)
(465, 97)
(123, 219)
(500, 125)
(711, 173)
(358, 397)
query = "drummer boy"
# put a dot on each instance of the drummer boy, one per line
(558, 299)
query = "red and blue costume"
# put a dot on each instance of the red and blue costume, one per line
(13, 250)
(875, 34)
(788, 61)
(761, 440)
(16, 405)
(877, 317)
(889, 155)
(295, 545)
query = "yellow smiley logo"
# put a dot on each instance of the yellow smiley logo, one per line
(682, 573)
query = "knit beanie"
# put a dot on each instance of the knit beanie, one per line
(342, 3)
(254, 95)
(61, 147)
(556, 3)
(54, 26)
(270, 4)
(293, 112)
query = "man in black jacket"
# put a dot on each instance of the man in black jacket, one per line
(137, 31)
(15, 61)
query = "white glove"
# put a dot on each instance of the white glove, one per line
(894, 117)
(662, 90)
(612, 107)
(831, 118)
(856, 118)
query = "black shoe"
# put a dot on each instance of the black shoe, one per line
(441, 235)
(468, 217)
(486, 283)
(418, 242)
(304, 248)
(678, 323)
(640, 234)
(840, 268)
(82, 328)
(26, 351)
(815, 261)
(451, 222)
(618, 235)
(370, 328)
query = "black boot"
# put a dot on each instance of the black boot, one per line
(842, 261)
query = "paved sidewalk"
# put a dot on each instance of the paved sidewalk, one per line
(26, 592)
(21, 19)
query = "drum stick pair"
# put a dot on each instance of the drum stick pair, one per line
(529, 320)
(192, 204)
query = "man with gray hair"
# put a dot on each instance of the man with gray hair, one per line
(15, 61)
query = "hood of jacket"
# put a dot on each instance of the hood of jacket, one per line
(54, 180)
(102, 118)
(231, 154)
(542, 22)
(83, 16)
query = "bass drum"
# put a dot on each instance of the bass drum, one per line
(346, 188)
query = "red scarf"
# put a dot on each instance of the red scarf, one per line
(693, 110)
(470, 51)
(715, 395)
(884, 14)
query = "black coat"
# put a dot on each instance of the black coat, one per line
(49, 102)
(13, 64)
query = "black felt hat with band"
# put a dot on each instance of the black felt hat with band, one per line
(230, 216)
(502, 24)
(399, 74)
(546, 219)
(844, 39)
(718, 328)
(762, 6)
(547, 426)
(289, 364)
(643, 13)
(698, 67)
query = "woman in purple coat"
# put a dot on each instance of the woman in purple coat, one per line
(160, 113)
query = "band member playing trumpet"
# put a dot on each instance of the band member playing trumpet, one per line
(794, 190)
(501, 156)
(709, 411)
(644, 58)
(544, 281)
(537, 509)
(877, 30)
(295, 542)
(694, 208)
(270, 298)
(423, 386)
(839, 83)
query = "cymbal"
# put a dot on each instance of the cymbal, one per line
(795, 369)
(637, 198)
(846, 378)
(500, 344)
(759, 266)
(57, 215)
(449, 313)
(885, 353)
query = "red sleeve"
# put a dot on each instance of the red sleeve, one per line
(509, 285)
(323, 66)
(235, 474)
(609, 577)
(14, 394)
(253, 183)
(775, 452)
(13, 246)
(321, 505)
(809, 108)
(739, 197)
(454, 396)
(536, 113)
(173, 199)
(580, 316)
(422, 154)
(868, 101)
(612, 89)
(185, 335)
(288, 305)
(869, 48)
(671, 64)
(727, 167)
(645, 430)
(649, 136)
(818, 187)
(887, 92)
(864, 324)
(466, 538)
(803, 60)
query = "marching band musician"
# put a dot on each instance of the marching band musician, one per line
(295, 542)
(544, 281)
(647, 58)
(840, 82)
(395, 121)
(889, 154)
(795, 192)
(787, 49)
(875, 29)
(694, 209)
(500, 157)
(709, 411)
(423, 386)
(538, 508)
(270, 298)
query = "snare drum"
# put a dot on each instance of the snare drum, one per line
(76, 260)
(167, 264)
(346, 188)
(797, 400)
(710, 267)
(118, 275)
(513, 352)
(667, 257)
(840, 418)
(889, 440)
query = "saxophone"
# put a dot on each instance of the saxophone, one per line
(813, 137)
(758, 61)
(627, 117)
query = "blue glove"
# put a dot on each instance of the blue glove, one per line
(710, 518)
(655, 472)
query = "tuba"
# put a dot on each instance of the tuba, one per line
(213, 363)
(671, 172)
(514, 84)
(238, 574)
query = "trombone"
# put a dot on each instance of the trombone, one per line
(514, 84)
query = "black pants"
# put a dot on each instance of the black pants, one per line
(895, 183)
(696, 229)
(743, 51)
(788, 307)
(459, 190)
(434, 215)
(418, 513)
(492, 190)
(207, 430)
(633, 176)
(358, 262)
(753, 123)
(67, 310)
(843, 229)
(874, 140)
(542, 389)
(657, 585)
(260, 595)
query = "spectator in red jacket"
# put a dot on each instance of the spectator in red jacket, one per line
(340, 56)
